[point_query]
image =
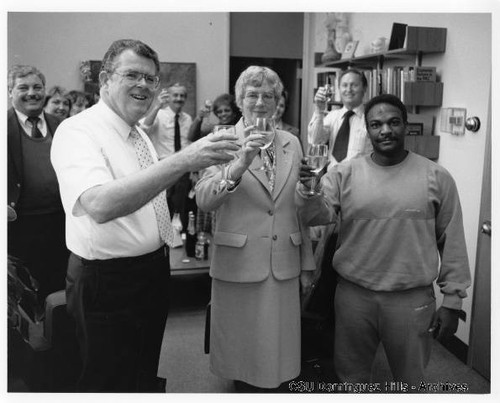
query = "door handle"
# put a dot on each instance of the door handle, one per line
(486, 227)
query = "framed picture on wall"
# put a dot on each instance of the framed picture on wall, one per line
(170, 73)
(349, 50)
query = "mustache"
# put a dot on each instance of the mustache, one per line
(35, 97)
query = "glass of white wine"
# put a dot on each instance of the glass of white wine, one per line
(265, 127)
(226, 129)
(317, 158)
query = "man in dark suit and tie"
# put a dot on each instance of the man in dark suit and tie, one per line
(37, 235)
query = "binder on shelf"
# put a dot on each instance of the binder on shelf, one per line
(398, 36)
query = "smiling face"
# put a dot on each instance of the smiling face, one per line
(258, 102)
(387, 131)
(224, 113)
(129, 100)
(58, 105)
(28, 95)
(352, 90)
(177, 100)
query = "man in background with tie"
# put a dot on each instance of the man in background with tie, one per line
(167, 125)
(118, 224)
(343, 129)
(37, 235)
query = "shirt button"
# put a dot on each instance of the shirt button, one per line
(270, 212)
(275, 237)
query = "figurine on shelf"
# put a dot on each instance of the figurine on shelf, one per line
(343, 37)
(331, 53)
(379, 45)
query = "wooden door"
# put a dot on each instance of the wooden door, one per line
(480, 336)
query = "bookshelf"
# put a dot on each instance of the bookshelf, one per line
(399, 71)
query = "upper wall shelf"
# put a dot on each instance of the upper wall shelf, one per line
(406, 42)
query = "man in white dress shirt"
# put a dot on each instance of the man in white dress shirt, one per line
(325, 129)
(113, 192)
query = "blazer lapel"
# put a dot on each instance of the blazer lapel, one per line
(256, 170)
(14, 141)
(284, 160)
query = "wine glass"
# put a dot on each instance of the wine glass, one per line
(265, 126)
(227, 129)
(317, 158)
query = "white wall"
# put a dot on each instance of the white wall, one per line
(57, 42)
(465, 69)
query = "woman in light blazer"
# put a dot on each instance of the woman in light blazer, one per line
(262, 255)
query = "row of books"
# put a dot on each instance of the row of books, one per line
(389, 80)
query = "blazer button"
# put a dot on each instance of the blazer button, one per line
(275, 237)
(18, 185)
(12, 204)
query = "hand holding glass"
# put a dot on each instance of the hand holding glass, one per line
(317, 158)
(225, 129)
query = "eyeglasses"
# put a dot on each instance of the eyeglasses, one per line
(134, 77)
(253, 97)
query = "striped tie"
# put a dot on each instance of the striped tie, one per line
(160, 201)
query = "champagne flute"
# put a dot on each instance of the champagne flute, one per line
(317, 158)
(227, 129)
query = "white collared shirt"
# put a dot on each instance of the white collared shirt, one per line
(359, 142)
(90, 149)
(26, 125)
(162, 131)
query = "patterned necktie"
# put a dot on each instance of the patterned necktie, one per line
(35, 132)
(177, 134)
(160, 201)
(342, 139)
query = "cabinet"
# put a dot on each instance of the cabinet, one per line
(399, 71)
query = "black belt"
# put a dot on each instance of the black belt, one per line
(123, 261)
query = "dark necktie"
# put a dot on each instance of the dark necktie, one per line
(35, 132)
(342, 139)
(177, 134)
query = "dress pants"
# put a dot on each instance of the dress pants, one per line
(120, 307)
(399, 320)
(38, 240)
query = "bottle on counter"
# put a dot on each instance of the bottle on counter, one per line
(191, 236)
(201, 246)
